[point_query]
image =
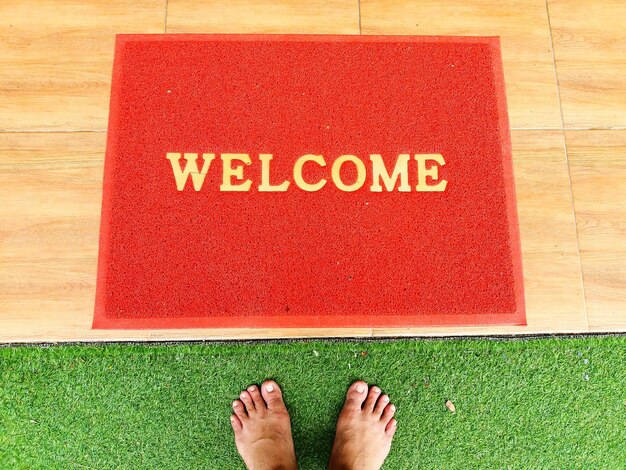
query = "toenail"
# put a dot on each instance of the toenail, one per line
(386, 398)
(360, 388)
(269, 387)
(251, 388)
(243, 395)
(376, 390)
(235, 404)
(393, 408)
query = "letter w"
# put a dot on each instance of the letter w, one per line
(190, 168)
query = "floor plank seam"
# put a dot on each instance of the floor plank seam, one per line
(359, 9)
(569, 173)
(615, 128)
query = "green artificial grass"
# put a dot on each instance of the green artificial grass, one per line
(541, 403)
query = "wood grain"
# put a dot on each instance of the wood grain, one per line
(254, 16)
(51, 184)
(598, 169)
(56, 65)
(525, 39)
(56, 59)
(590, 52)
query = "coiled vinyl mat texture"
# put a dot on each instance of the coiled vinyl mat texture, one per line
(308, 181)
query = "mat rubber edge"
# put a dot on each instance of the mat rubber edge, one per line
(106, 210)
(519, 317)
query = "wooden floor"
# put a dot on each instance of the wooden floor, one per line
(565, 71)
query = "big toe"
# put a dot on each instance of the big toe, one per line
(357, 393)
(272, 395)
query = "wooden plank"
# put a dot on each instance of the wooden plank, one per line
(525, 39)
(51, 183)
(589, 47)
(56, 58)
(552, 276)
(598, 168)
(273, 16)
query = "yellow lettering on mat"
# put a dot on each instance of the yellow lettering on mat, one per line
(233, 165)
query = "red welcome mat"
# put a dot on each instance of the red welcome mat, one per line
(308, 181)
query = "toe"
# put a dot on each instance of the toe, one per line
(390, 429)
(372, 396)
(235, 422)
(380, 405)
(247, 400)
(356, 395)
(272, 395)
(388, 413)
(257, 399)
(240, 410)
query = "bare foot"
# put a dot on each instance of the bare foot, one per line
(262, 428)
(364, 429)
